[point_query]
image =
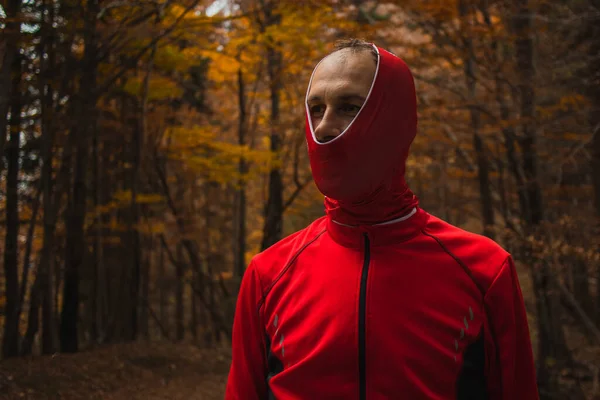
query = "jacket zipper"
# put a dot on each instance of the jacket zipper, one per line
(362, 319)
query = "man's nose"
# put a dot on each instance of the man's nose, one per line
(328, 128)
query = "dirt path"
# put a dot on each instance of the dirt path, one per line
(137, 371)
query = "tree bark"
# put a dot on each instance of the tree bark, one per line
(179, 305)
(10, 342)
(273, 226)
(134, 235)
(28, 249)
(552, 347)
(46, 270)
(593, 93)
(10, 36)
(46, 265)
(509, 136)
(193, 308)
(144, 302)
(42, 291)
(45, 278)
(27, 256)
(33, 317)
(523, 26)
(240, 196)
(208, 252)
(581, 281)
(485, 191)
(96, 325)
(139, 130)
(162, 289)
(596, 174)
(82, 132)
(143, 267)
(508, 132)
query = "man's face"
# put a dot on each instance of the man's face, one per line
(338, 90)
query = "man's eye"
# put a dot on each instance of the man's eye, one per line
(350, 108)
(317, 110)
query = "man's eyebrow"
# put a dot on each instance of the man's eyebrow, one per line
(344, 97)
(352, 97)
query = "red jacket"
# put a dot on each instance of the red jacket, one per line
(351, 309)
(417, 309)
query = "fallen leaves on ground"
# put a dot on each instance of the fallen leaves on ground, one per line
(136, 371)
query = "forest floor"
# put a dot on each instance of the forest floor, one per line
(139, 371)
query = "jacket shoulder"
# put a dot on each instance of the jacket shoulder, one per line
(271, 261)
(479, 255)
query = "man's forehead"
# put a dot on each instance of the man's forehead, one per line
(341, 96)
(345, 59)
(343, 74)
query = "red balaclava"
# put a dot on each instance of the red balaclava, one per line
(361, 171)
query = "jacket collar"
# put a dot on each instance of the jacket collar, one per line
(387, 233)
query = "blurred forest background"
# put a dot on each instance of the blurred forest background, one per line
(150, 148)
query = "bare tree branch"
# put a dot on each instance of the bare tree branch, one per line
(112, 79)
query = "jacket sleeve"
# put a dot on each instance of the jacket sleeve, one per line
(248, 371)
(511, 371)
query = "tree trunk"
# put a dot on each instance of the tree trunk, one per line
(552, 348)
(10, 36)
(144, 302)
(162, 289)
(46, 274)
(27, 256)
(134, 235)
(208, 251)
(46, 63)
(42, 291)
(96, 325)
(57, 261)
(273, 226)
(508, 132)
(596, 174)
(45, 291)
(581, 283)
(82, 132)
(10, 342)
(33, 317)
(593, 88)
(485, 191)
(179, 312)
(45, 277)
(135, 241)
(193, 308)
(119, 278)
(240, 195)
(523, 26)
(509, 136)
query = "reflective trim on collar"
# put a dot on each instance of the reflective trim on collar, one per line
(404, 218)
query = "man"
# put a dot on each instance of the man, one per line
(378, 299)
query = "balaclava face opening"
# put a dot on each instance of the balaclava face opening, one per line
(361, 171)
